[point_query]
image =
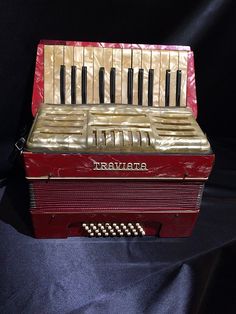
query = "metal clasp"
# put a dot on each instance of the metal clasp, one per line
(20, 144)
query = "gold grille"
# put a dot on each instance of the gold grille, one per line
(116, 128)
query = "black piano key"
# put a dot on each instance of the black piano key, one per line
(62, 83)
(113, 85)
(167, 90)
(84, 85)
(140, 87)
(130, 85)
(150, 87)
(101, 84)
(178, 87)
(73, 84)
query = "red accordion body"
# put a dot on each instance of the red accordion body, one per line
(115, 193)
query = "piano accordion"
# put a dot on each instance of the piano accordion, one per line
(115, 149)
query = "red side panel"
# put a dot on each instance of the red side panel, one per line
(191, 85)
(38, 87)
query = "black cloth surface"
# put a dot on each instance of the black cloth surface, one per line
(149, 275)
(138, 275)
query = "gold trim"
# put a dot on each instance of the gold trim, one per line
(123, 212)
(118, 178)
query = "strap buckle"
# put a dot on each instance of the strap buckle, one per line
(20, 144)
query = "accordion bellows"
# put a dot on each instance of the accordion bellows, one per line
(115, 149)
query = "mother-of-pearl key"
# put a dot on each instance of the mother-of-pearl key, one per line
(137, 64)
(48, 73)
(164, 66)
(146, 63)
(107, 68)
(174, 62)
(98, 63)
(68, 62)
(155, 65)
(117, 65)
(57, 69)
(78, 63)
(89, 73)
(126, 64)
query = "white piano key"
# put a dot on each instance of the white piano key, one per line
(183, 65)
(146, 65)
(174, 60)
(155, 65)
(58, 61)
(117, 64)
(78, 62)
(137, 64)
(48, 73)
(126, 63)
(88, 62)
(107, 53)
(165, 65)
(98, 63)
(68, 62)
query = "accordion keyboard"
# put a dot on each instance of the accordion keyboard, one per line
(80, 75)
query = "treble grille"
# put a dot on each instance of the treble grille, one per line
(119, 128)
(174, 125)
(121, 138)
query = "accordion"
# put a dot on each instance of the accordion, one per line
(115, 149)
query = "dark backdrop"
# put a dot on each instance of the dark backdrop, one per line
(207, 25)
(194, 275)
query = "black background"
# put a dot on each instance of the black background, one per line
(207, 26)
(193, 275)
